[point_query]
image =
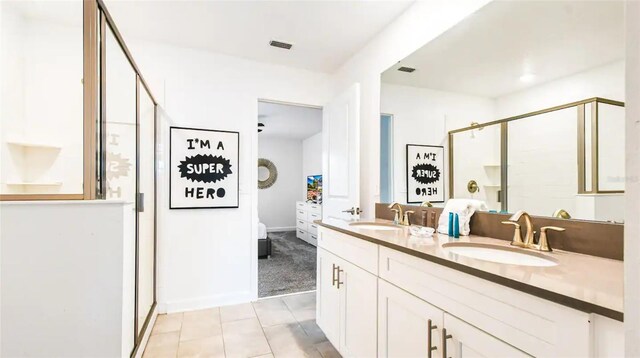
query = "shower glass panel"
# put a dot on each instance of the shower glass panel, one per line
(146, 215)
(120, 148)
(542, 165)
(610, 147)
(41, 116)
(476, 157)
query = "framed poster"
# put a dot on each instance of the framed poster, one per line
(203, 168)
(425, 173)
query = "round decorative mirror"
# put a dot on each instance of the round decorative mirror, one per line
(267, 173)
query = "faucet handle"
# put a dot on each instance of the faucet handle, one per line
(406, 220)
(517, 235)
(543, 242)
(396, 216)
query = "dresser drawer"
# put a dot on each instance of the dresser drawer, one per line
(312, 228)
(314, 216)
(312, 239)
(301, 214)
(315, 208)
(302, 225)
(301, 205)
(301, 234)
(357, 251)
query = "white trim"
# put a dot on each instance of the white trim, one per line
(283, 228)
(209, 301)
(147, 333)
(285, 295)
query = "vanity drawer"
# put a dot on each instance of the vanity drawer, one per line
(301, 205)
(313, 228)
(301, 234)
(536, 326)
(301, 214)
(357, 251)
(301, 225)
(314, 216)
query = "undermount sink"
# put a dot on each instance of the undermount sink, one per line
(375, 226)
(499, 254)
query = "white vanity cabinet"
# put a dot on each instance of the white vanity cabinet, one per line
(407, 325)
(376, 301)
(411, 327)
(346, 304)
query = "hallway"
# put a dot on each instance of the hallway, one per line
(275, 327)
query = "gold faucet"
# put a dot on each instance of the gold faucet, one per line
(528, 242)
(401, 217)
(426, 204)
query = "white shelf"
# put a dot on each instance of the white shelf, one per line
(33, 144)
(57, 183)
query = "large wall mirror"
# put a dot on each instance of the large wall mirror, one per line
(527, 98)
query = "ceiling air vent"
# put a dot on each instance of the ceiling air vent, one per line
(406, 69)
(279, 44)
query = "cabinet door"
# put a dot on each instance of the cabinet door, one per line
(328, 297)
(358, 311)
(407, 325)
(468, 341)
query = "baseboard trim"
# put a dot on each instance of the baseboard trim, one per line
(284, 228)
(207, 302)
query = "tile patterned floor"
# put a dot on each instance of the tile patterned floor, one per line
(273, 327)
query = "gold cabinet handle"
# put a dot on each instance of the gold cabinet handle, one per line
(338, 282)
(430, 338)
(445, 336)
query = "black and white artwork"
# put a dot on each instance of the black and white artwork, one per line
(203, 168)
(425, 173)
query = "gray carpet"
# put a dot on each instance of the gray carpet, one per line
(291, 268)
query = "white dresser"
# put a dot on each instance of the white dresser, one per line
(306, 214)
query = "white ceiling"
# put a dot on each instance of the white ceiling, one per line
(324, 34)
(488, 52)
(283, 121)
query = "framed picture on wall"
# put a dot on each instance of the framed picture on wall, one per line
(203, 170)
(425, 173)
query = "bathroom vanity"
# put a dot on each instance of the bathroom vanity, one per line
(382, 292)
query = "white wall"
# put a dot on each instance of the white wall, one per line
(632, 184)
(311, 159)
(425, 116)
(276, 204)
(67, 284)
(605, 81)
(209, 257)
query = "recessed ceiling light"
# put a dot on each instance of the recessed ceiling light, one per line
(527, 77)
(406, 69)
(280, 44)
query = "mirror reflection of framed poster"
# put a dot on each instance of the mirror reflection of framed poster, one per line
(203, 168)
(425, 173)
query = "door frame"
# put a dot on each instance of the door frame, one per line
(254, 190)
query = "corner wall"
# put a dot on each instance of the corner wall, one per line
(208, 257)
(418, 25)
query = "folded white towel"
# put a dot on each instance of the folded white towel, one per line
(465, 208)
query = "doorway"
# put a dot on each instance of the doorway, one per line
(386, 158)
(289, 196)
